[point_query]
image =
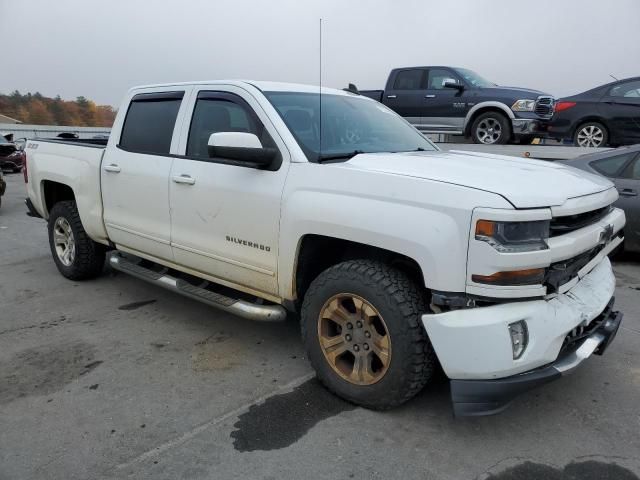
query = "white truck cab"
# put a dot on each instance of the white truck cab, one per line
(261, 198)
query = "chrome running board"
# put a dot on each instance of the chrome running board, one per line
(242, 308)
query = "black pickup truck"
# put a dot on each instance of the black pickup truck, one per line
(459, 101)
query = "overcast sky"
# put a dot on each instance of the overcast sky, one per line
(99, 49)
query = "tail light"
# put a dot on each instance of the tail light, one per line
(24, 169)
(560, 106)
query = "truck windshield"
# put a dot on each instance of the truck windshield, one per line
(473, 78)
(350, 125)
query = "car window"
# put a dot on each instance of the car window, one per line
(632, 171)
(627, 90)
(221, 112)
(350, 123)
(148, 126)
(409, 80)
(437, 76)
(611, 166)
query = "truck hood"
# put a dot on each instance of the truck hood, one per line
(525, 183)
(514, 91)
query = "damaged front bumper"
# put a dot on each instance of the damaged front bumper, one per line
(474, 345)
(486, 397)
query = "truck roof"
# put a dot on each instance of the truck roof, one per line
(265, 86)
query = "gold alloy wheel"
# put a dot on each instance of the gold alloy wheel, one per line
(354, 339)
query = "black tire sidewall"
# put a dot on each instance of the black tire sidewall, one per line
(505, 124)
(389, 390)
(89, 257)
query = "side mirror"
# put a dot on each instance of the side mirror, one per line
(451, 83)
(242, 147)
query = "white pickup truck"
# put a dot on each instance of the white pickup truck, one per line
(398, 256)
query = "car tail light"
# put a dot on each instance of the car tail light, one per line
(560, 106)
(24, 169)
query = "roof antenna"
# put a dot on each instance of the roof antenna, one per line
(614, 78)
(320, 86)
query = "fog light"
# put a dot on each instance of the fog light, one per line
(519, 338)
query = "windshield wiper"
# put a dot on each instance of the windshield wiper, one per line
(338, 156)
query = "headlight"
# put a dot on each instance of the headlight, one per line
(524, 106)
(514, 237)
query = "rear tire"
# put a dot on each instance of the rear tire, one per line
(591, 134)
(491, 128)
(379, 309)
(74, 253)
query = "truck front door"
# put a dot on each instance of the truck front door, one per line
(444, 108)
(225, 215)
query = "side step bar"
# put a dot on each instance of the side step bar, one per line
(261, 313)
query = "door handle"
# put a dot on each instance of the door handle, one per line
(392, 96)
(186, 179)
(113, 168)
(430, 96)
(628, 192)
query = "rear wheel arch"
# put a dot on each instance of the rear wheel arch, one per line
(590, 119)
(54, 192)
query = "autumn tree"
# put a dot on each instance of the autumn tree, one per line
(42, 110)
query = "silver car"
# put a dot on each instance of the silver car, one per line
(622, 167)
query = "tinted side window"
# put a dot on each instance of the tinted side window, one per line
(408, 80)
(220, 113)
(633, 170)
(610, 167)
(148, 126)
(437, 76)
(628, 90)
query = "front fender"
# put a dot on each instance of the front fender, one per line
(425, 220)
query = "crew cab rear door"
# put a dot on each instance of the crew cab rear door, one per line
(225, 215)
(405, 94)
(135, 172)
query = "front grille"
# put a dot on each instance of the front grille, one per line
(569, 223)
(544, 107)
(564, 271)
(581, 331)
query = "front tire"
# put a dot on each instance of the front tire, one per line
(360, 323)
(74, 253)
(491, 128)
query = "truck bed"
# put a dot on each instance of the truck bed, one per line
(81, 142)
(75, 163)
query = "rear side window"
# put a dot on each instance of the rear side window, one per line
(409, 80)
(611, 167)
(148, 126)
(633, 170)
(627, 90)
